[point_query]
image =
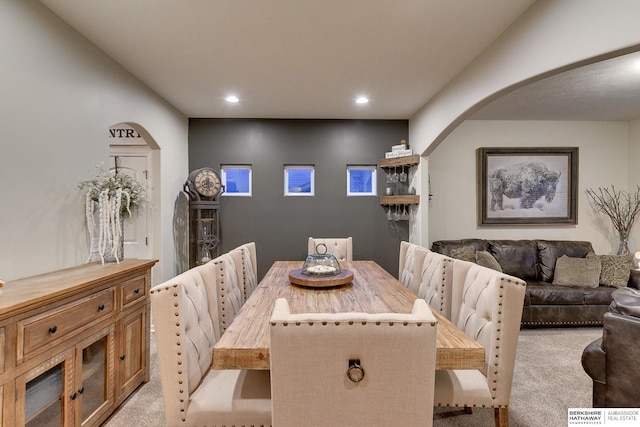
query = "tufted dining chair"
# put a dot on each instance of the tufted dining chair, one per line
(341, 248)
(409, 264)
(352, 369)
(435, 281)
(246, 267)
(229, 289)
(487, 306)
(186, 328)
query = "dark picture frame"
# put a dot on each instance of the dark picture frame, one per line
(527, 186)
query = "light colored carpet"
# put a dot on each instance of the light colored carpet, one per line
(548, 380)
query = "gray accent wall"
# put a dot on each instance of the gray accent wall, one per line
(281, 225)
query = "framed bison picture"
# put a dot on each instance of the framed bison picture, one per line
(527, 186)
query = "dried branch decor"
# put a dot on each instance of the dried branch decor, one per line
(621, 207)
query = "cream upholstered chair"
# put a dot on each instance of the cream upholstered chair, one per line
(436, 276)
(341, 248)
(409, 264)
(487, 305)
(316, 359)
(185, 318)
(228, 282)
(248, 269)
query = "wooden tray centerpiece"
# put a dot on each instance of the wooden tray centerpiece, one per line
(302, 278)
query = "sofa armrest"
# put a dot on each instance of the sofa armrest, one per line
(634, 279)
(618, 337)
(593, 361)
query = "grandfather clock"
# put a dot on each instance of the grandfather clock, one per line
(203, 188)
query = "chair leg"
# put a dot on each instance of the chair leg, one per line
(501, 417)
(468, 410)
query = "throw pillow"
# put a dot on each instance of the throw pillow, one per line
(465, 253)
(580, 272)
(485, 259)
(615, 270)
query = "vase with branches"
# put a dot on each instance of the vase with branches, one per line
(109, 198)
(621, 207)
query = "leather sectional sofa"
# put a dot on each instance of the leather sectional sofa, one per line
(534, 262)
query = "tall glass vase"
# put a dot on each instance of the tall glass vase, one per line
(623, 245)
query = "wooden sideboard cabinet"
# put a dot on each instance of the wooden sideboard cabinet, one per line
(74, 343)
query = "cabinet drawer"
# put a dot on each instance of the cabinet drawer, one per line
(133, 290)
(51, 326)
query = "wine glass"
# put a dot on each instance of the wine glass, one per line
(396, 214)
(403, 176)
(405, 213)
(389, 214)
(394, 177)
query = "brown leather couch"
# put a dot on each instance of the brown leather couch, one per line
(610, 360)
(534, 261)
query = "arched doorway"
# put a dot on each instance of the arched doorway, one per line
(134, 152)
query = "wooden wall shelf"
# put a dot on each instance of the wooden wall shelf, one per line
(409, 199)
(412, 160)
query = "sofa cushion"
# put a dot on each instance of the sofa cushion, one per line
(543, 293)
(485, 259)
(598, 296)
(516, 257)
(465, 253)
(446, 246)
(550, 250)
(580, 272)
(615, 269)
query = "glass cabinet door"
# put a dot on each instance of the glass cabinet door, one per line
(41, 393)
(94, 376)
(76, 387)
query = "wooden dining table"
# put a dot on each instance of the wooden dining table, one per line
(245, 343)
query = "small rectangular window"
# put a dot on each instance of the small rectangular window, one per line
(236, 180)
(362, 180)
(299, 180)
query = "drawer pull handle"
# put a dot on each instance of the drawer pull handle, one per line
(137, 291)
(53, 329)
(101, 307)
(122, 357)
(74, 396)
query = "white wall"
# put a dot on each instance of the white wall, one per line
(603, 153)
(60, 95)
(634, 154)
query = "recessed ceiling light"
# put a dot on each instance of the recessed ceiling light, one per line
(362, 100)
(232, 98)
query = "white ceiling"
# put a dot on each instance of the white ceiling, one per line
(311, 59)
(292, 58)
(607, 90)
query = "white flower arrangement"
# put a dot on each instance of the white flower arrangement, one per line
(114, 194)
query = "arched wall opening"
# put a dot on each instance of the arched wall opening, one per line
(133, 150)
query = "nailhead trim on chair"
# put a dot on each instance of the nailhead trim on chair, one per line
(178, 347)
(223, 310)
(445, 263)
(350, 322)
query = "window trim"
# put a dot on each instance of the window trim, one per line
(223, 178)
(374, 180)
(311, 168)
